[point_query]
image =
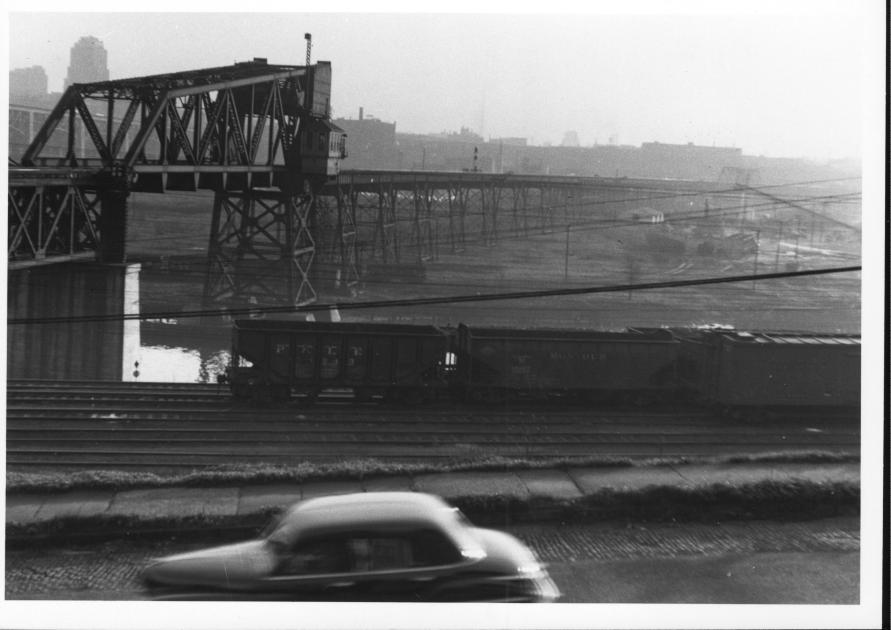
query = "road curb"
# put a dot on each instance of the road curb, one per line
(785, 499)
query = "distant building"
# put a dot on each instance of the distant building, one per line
(570, 139)
(27, 85)
(371, 143)
(688, 161)
(89, 62)
(29, 106)
(511, 142)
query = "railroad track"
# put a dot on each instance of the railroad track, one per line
(54, 425)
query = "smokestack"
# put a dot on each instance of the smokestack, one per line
(361, 112)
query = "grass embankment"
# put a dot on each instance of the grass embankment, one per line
(243, 475)
(783, 499)
(776, 500)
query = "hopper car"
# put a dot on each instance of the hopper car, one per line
(753, 372)
(495, 364)
(278, 359)
(739, 372)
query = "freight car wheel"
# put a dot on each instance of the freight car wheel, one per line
(412, 396)
(261, 394)
(494, 397)
(643, 399)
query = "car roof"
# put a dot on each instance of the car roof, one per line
(368, 510)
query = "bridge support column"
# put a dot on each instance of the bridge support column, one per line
(113, 224)
(261, 250)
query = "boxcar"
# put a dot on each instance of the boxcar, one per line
(633, 366)
(279, 358)
(762, 370)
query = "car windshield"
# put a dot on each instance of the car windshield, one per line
(461, 518)
(272, 525)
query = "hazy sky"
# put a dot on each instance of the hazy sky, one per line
(779, 84)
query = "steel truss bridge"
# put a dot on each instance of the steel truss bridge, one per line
(252, 133)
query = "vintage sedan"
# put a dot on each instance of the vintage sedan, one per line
(376, 546)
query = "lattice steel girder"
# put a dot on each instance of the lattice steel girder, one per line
(366, 180)
(51, 223)
(519, 194)
(422, 226)
(385, 232)
(349, 233)
(179, 130)
(261, 249)
(336, 236)
(457, 213)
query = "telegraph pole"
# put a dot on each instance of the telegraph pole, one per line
(757, 247)
(566, 258)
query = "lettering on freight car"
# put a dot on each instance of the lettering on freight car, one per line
(355, 354)
(520, 365)
(576, 356)
(281, 348)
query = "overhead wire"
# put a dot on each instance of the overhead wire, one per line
(456, 299)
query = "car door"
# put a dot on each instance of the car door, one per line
(402, 565)
(317, 568)
(398, 565)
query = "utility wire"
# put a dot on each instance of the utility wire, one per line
(456, 299)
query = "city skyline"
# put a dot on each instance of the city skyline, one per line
(527, 76)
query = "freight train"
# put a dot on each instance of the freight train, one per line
(741, 372)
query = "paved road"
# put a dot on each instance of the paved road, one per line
(756, 562)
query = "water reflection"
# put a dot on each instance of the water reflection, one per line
(88, 338)
(177, 365)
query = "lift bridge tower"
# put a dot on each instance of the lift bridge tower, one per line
(257, 135)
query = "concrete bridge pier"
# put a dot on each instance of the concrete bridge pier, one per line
(67, 322)
(113, 222)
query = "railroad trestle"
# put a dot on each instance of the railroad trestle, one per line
(286, 221)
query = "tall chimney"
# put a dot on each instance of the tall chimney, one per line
(361, 113)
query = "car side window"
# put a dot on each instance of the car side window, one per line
(315, 556)
(432, 548)
(405, 550)
(380, 553)
(365, 552)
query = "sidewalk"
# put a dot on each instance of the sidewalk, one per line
(520, 485)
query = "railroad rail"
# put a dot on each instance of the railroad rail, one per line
(159, 426)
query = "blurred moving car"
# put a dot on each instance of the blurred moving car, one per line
(377, 546)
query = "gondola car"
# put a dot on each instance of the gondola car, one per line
(277, 359)
(636, 366)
